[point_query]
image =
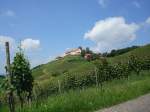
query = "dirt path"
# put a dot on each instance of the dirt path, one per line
(141, 104)
(45, 72)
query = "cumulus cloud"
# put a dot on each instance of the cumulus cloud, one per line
(102, 3)
(4, 39)
(9, 13)
(111, 33)
(136, 4)
(148, 21)
(30, 44)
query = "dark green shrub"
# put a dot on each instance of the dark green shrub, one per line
(135, 64)
(146, 63)
(55, 74)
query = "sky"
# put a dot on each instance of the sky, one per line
(46, 28)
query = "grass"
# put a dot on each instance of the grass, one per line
(54, 70)
(76, 64)
(4, 108)
(68, 64)
(94, 98)
(140, 52)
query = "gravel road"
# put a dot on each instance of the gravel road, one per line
(141, 104)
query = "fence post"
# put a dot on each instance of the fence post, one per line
(96, 77)
(9, 75)
(59, 86)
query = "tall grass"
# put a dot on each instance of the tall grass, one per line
(3, 108)
(94, 98)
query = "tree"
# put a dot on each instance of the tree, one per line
(135, 64)
(80, 47)
(22, 79)
(88, 50)
(96, 56)
(83, 53)
(102, 71)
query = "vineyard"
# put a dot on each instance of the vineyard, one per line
(74, 75)
(103, 72)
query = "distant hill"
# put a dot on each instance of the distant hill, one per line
(142, 51)
(116, 52)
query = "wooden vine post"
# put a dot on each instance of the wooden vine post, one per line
(59, 86)
(9, 75)
(96, 77)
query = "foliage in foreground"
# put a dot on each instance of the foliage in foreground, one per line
(22, 79)
(18, 84)
(103, 73)
(94, 98)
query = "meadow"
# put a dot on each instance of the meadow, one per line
(94, 98)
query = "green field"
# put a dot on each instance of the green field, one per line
(95, 98)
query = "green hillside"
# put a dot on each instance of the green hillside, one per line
(142, 51)
(47, 75)
(55, 68)
(67, 84)
(79, 65)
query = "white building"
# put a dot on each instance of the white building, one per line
(71, 52)
(76, 51)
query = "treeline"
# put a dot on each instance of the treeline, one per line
(106, 54)
(119, 51)
(90, 54)
(103, 72)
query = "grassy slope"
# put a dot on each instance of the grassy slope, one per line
(68, 64)
(76, 64)
(140, 52)
(94, 98)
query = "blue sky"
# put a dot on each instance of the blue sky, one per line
(46, 28)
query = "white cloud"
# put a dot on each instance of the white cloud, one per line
(9, 13)
(111, 33)
(136, 4)
(102, 3)
(27, 44)
(4, 39)
(30, 44)
(148, 21)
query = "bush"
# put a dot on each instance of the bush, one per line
(55, 74)
(103, 72)
(146, 63)
(135, 64)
